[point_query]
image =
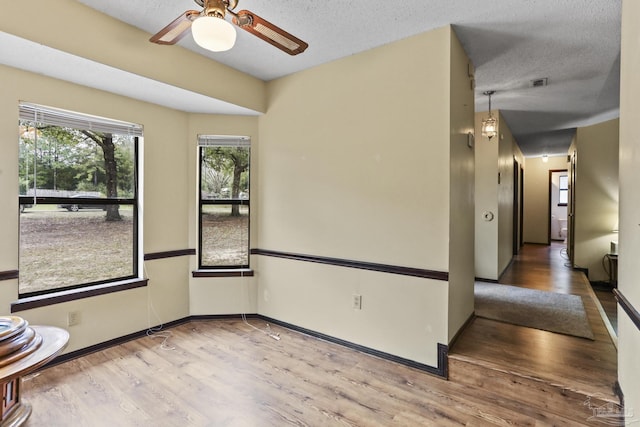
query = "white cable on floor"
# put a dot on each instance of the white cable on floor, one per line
(267, 331)
(156, 332)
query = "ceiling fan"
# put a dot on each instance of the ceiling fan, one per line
(211, 31)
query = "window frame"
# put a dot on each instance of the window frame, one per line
(76, 120)
(228, 141)
(562, 189)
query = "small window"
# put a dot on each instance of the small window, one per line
(78, 200)
(224, 202)
(563, 192)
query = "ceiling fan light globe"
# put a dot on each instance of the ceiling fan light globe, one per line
(214, 34)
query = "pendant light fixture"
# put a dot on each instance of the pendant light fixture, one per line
(490, 124)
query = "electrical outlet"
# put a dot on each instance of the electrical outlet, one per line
(357, 302)
(73, 318)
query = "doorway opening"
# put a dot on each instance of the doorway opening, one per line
(518, 206)
(558, 201)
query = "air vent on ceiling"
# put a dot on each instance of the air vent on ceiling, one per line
(540, 82)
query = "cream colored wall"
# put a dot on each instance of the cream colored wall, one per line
(222, 295)
(536, 197)
(461, 190)
(494, 239)
(486, 200)
(354, 164)
(335, 145)
(507, 151)
(629, 238)
(401, 315)
(74, 28)
(165, 207)
(596, 191)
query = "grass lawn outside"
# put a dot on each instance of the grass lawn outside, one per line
(60, 248)
(225, 238)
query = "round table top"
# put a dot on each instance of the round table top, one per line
(54, 340)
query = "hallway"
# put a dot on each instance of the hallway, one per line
(494, 351)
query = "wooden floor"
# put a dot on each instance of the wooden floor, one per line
(225, 373)
(586, 368)
(609, 305)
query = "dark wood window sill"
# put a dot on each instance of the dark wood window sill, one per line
(234, 272)
(76, 294)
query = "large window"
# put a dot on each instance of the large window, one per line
(78, 200)
(224, 202)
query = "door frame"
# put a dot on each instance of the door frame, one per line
(517, 207)
(571, 207)
(551, 172)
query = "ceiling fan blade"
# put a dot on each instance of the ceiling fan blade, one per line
(176, 30)
(268, 32)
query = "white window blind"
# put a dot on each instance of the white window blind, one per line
(223, 141)
(64, 118)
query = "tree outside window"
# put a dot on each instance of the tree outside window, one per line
(224, 203)
(78, 200)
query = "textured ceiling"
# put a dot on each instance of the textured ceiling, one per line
(573, 43)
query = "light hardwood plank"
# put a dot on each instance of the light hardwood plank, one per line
(573, 366)
(224, 373)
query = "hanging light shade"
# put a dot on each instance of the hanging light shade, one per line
(545, 158)
(490, 124)
(213, 33)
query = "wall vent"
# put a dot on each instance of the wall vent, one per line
(540, 82)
